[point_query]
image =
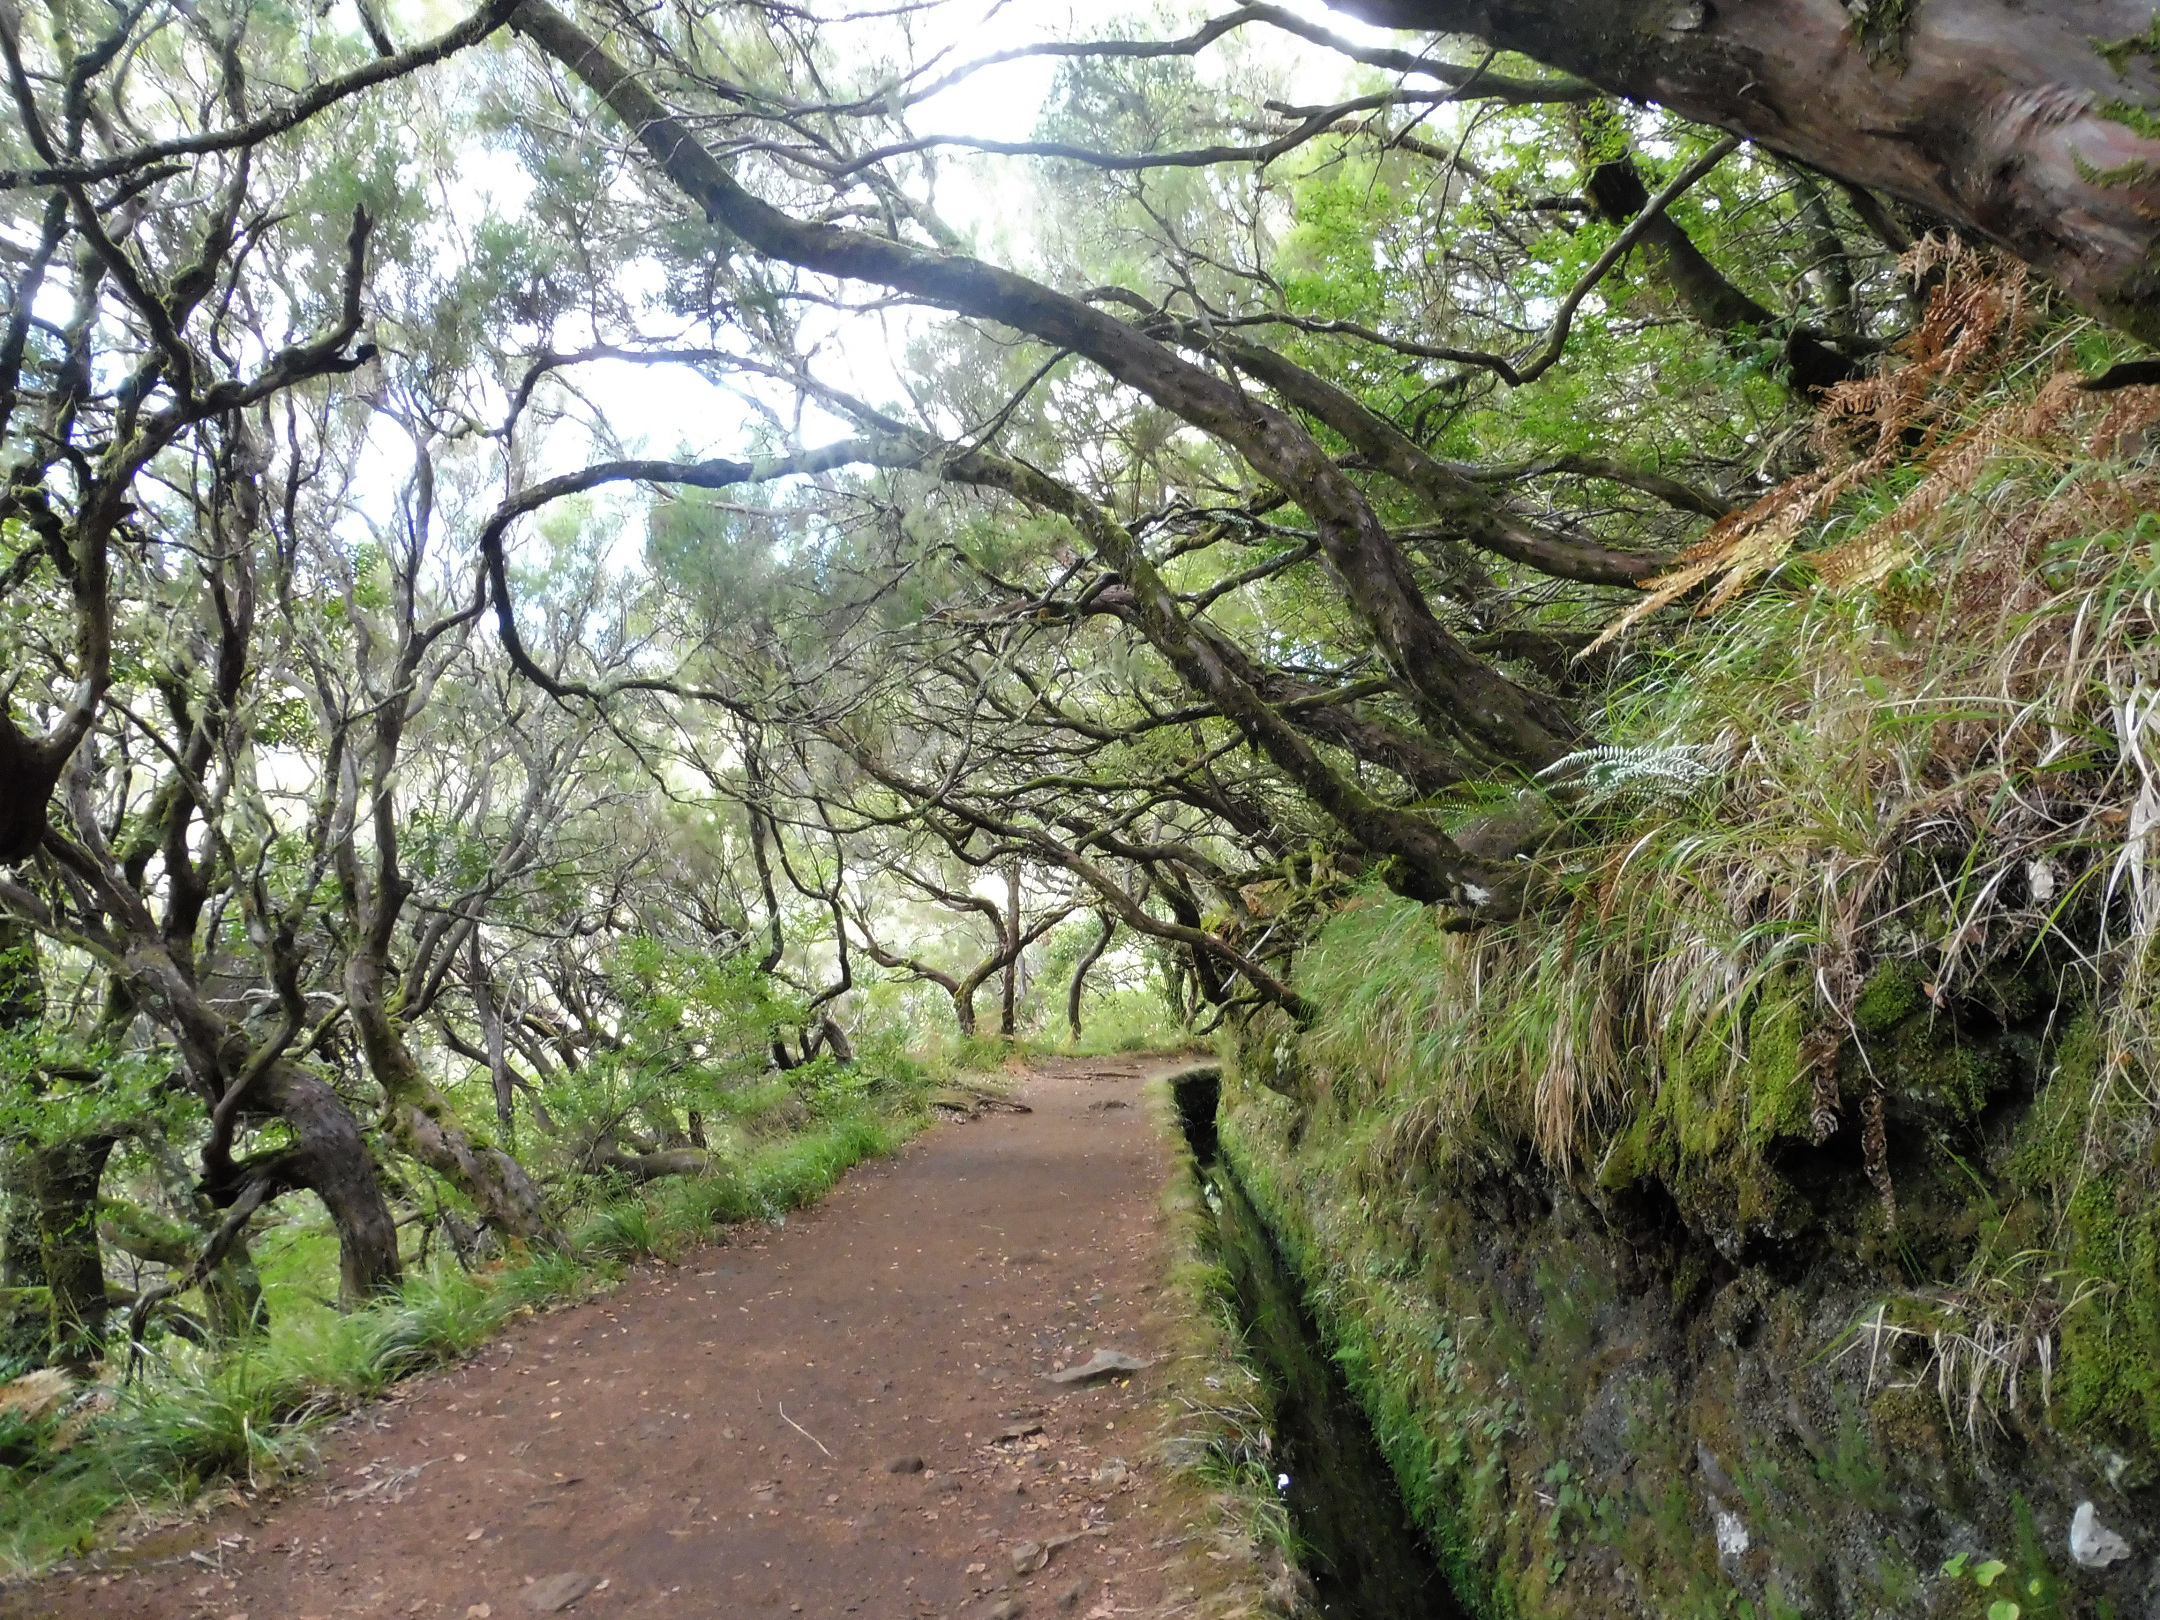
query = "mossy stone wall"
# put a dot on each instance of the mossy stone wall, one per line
(1709, 1372)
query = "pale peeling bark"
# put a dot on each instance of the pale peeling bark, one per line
(2005, 117)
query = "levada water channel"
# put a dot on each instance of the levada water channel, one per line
(1365, 1558)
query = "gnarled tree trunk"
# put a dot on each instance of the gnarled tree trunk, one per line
(24, 1317)
(2026, 123)
(63, 1181)
(49, 1242)
(422, 1122)
(1077, 992)
(329, 1156)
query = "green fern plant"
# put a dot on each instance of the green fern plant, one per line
(1638, 776)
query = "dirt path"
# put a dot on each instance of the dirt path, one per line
(848, 1416)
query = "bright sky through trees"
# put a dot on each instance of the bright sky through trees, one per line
(991, 201)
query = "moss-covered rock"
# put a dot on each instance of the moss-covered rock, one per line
(1888, 996)
(1706, 1129)
(2084, 1159)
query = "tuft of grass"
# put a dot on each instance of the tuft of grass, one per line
(696, 1206)
(442, 1315)
(628, 1231)
(799, 1170)
(548, 1275)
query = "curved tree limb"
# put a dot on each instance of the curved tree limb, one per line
(1456, 693)
(2030, 125)
(56, 172)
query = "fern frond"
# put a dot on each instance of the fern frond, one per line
(1636, 776)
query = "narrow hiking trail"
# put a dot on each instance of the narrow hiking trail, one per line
(848, 1415)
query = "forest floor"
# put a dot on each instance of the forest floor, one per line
(849, 1415)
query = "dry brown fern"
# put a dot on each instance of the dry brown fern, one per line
(1865, 428)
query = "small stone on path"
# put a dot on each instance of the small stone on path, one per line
(904, 1465)
(1101, 1365)
(557, 1592)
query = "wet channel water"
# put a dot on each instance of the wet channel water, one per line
(1365, 1558)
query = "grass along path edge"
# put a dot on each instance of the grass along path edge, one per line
(116, 1461)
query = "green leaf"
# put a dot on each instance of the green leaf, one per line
(1986, 1573)
(2003, 1609)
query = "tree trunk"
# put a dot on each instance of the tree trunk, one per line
(491, 1029)
(2027, 124)
(1009, 946)
(422, 1123)
(1088, 959)
(22, 1257)
(832, 1036)
(838, 1042)
(22, 1261)
(49, 1239)
(63, 1182)
(22, 1001)
(330, 1157)
(29, 767)
(1174, 974)
(25, 1331)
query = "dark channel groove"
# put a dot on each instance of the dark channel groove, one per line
(1364, 1556)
